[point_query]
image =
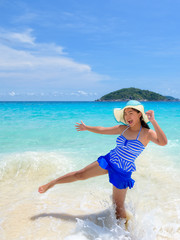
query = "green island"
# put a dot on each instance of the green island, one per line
(125, 94)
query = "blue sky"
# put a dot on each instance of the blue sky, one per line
(81, 50)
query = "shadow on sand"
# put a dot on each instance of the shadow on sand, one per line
(68, 217)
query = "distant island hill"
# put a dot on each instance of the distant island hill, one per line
(126, 94)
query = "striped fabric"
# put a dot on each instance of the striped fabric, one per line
(125, 153)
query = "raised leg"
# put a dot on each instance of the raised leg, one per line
(92, 170)
(119, 199)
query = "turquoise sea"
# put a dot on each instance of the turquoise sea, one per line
(38, 142)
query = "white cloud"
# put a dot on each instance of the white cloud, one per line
(49, 49)
(24, 37)
(83, 93)
(50, 93)
(41, 66)
(12, 59)
(12, 94)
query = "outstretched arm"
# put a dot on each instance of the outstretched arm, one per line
(101, 130)
(157, 136)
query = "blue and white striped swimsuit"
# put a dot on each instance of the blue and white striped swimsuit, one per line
(120, 162)
(124, 155)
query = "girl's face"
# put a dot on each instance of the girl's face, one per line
(131, 117)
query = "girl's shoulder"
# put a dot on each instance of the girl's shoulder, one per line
(146, 135)
(122, 128)
(146, 131)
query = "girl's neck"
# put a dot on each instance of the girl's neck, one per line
(136, 127)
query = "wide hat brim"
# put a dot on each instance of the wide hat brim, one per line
(119, 113)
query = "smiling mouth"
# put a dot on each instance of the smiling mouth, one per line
(130, 121)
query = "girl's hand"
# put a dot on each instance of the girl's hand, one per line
(150, 115)
(80, 126)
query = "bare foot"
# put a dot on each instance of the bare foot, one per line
(44, 188)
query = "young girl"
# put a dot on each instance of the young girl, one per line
(119, 163)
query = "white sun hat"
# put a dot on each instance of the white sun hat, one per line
(119, 113)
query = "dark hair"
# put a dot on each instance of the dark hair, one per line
(143, 123)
